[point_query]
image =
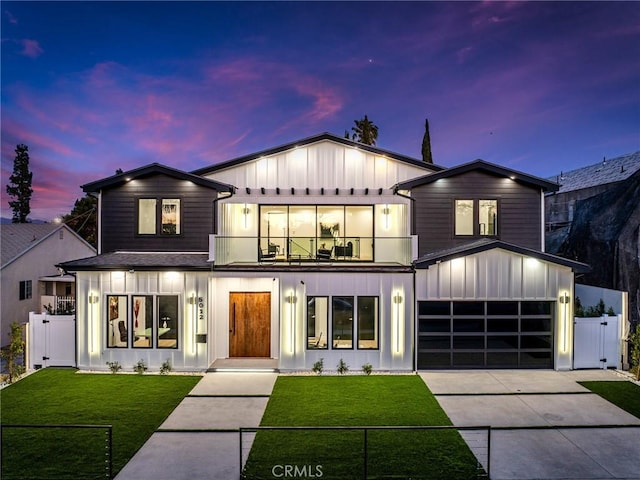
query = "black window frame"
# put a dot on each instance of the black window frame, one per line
(158, 216)
(25, 290)
(476, 217)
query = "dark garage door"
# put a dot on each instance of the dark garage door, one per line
(485, 334)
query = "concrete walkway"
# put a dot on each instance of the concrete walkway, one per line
(541, 399)
(223, 402)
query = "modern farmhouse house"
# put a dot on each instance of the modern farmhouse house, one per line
(324, 249)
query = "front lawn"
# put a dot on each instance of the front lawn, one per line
(625, 395)
(135, 405)
(358, 401)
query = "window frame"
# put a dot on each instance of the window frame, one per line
(326, 323)
(113, 313)
(376, 322)
(161, 322)
(158, 226)
(25, 290)
(148, 319)
(335, 345)
(476, 233)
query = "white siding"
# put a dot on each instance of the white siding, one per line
(323, 164)
(502, 275)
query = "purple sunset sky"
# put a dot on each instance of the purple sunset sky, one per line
(95, 86)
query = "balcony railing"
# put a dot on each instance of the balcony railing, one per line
(225, 250)
(56, 305)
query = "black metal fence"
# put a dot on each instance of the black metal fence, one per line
(56, 451)
(365, 452)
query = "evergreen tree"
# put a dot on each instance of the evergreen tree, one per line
(20, 185)
(427, 157)
(365, 131)
(83, 219)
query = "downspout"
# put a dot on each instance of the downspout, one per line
(413, 210)
(231, 192)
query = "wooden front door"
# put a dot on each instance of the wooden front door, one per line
(249, 324)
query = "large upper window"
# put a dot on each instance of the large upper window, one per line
(324, 232)
(164, 212)
(476, 217)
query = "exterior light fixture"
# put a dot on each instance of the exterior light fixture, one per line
(397, 300)
(564, 301)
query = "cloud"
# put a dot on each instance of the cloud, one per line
(31, 48)
(12, 19)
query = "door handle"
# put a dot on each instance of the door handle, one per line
(233, 320)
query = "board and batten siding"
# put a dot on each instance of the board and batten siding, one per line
(321, 165)
(119, 215)
(519, 208)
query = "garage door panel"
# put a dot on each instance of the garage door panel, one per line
(485, 334)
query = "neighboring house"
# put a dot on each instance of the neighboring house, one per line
(595, 216)
(324, 249)
(31, 281)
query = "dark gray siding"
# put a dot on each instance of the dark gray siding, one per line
(519, 220)
(119, 215)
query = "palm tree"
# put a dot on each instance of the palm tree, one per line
(365, 131)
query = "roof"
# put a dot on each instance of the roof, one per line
(152, 169)
(601, 173)
(484, 166)
(489, 244)
(314, 139)
(18, 238)
(140, 260)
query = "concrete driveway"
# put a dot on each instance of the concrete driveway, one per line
(529, 400)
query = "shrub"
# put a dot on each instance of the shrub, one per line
(634, 340)
(318, 366)
(140, 367)
(115, 367)
(166, 367)
(13, 352)
(367, 368)
(342, 367)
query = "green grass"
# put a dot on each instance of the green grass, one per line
(135, 405)
(359, 401)
(625, 395)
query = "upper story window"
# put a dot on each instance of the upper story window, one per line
(25, 290)
(476, 217)
(159, 215)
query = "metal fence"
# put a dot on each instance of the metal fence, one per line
(51, 452)
(361, 455)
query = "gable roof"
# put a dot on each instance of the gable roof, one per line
(480, 165)
(608, 171)
(314, 139)
(489, 244)
(152, 169)
(18, 238)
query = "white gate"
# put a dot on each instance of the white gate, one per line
(52, 340)
(596, 342)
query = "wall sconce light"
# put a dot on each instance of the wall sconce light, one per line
(292, 299)
(397, 300)
(564, 301)
(386, 211)
(192, 299)
(93, 299)
(245, 215)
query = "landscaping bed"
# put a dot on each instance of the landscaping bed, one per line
(357, 401)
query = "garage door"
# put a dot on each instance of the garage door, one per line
(485, 334)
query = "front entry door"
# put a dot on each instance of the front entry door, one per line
(249, 324)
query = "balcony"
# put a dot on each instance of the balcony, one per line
(226, 250)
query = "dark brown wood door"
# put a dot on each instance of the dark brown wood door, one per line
(249, 324)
